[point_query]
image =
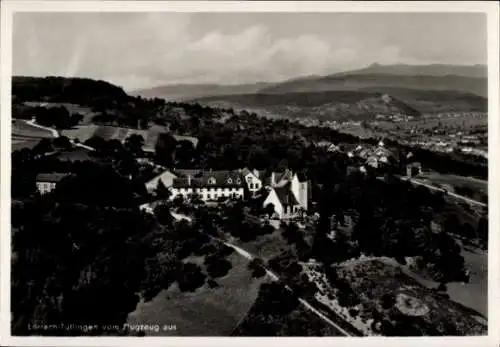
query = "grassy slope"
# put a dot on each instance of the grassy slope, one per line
(25, 135)
(205, 312)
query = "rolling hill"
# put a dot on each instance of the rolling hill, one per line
(461, 78)
(330, 105)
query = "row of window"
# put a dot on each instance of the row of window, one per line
(209, 190)
(211, 196)
(254, 186)
(45, 187)
(212, 180)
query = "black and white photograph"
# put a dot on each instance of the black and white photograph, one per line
(248, 173)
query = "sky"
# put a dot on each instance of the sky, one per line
(140, 50)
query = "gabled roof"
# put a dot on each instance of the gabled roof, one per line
(301, 176)
(188, 172)
(53, 177)
(283, 175)
(191, 139)
(245, 171)
(286, 196)
(216, 179)
(161, 177)
(414, 164)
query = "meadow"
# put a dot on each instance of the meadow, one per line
(206, 311)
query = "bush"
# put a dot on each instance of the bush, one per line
(259, 272)
(274, 298)
(388, 301)
(248, 235)
(163, 215)
(266, 229)
(218, 268)
(190, 278)
(282, 261)
(256, 266)
(442, 287)
(212, 283)
(303, 286)
(353, 312)
(254, 263)
(224, 251)
(207, 249)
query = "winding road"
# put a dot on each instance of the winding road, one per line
(56, 134)
(463, 198)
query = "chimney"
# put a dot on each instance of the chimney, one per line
(272, 179)
(189, 180)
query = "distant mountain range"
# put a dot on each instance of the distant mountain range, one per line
(181, 92)
(466, 79)
(476, 71)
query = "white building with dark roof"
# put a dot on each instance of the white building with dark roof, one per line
(253, 181)
(208, 185)
(46, 182)
(166, 178)
(288, 193)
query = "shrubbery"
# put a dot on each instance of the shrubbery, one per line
(218, 267)
(256, 266)
(190, 277)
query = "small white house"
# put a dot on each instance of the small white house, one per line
(46, 182)
(253, 181)
(167, 178)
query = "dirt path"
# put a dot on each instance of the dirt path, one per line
(54, 132)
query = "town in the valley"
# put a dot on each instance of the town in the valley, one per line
(347, 204)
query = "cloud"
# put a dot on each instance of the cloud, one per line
(143, 50)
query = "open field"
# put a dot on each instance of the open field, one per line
(475, 293)
(19, 142)
(22, 129)
(25, 135)
(205, 312)
(85, 132)
(475, 188)
(358, 130)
